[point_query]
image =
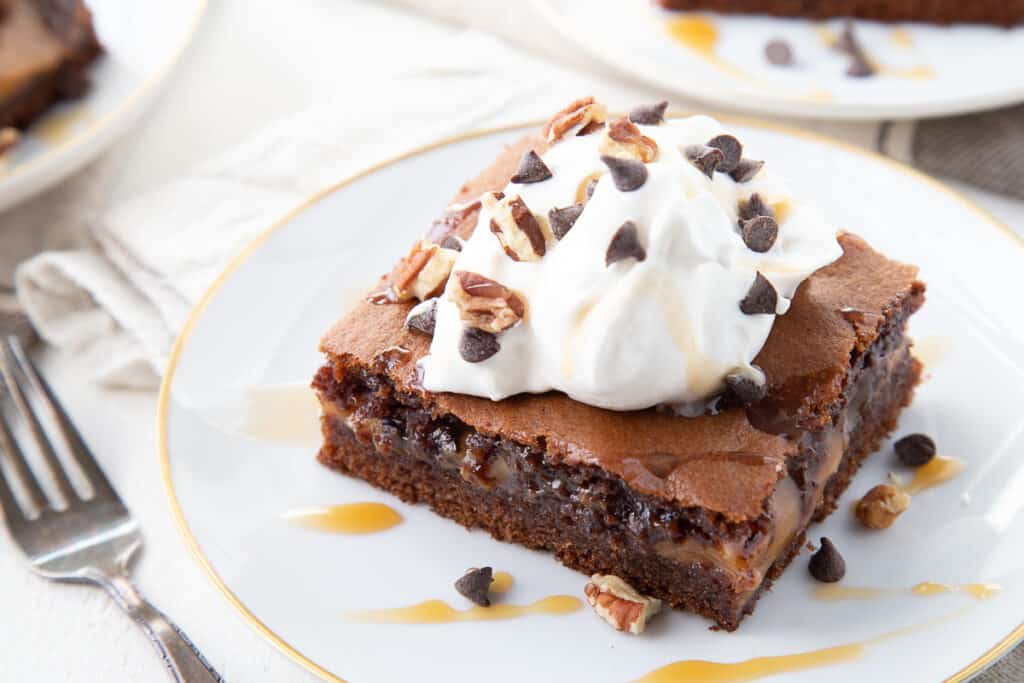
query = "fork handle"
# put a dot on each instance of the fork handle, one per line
(183, 661)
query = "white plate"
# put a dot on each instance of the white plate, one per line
(143, 41)
(967, 65)
(259, 327)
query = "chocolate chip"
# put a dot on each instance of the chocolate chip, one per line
(625, 244)
(915, 450)
(532, 169)
(627, 174)
(731, 149)
(778, 52)
(860, 67)
(475, 584)
(753, 207)
(649, 114)
(422, 317)
(746, 170)
(452, 242)
(827, 565)
(745, 388)
(706, 159)
(847, 40)
(759, 233)
(563, 219)
(588, 192)
(476, 346)
(761, 298)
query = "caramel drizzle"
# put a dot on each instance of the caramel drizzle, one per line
(838, 592)
(938, 470)
(702, 671)
(440, 612)
(350, 518)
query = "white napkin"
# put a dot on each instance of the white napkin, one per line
(123, 298)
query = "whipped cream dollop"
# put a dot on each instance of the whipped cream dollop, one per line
(655, 320)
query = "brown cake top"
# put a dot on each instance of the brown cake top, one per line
(721, 463)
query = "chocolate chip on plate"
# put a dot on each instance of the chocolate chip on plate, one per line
(759, 233)
(732, 150)
(860, 67)
(706, 159)
(422, 317)
(778, 52)
(753, 207)
(475, 584)
(827, 565)
(746, 388)
(915, 450)
(625, 244)
(627, 174)
(476, 346)
(761, 298)
(452, 242)
(532, 169)
(649, 114)
(746, 170)
(563, 219)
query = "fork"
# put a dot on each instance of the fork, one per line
(90, 540)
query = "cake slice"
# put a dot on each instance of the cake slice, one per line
(998, 12)
(46, 47)
(702, 512)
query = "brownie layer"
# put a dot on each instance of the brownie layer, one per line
(62, 46)
(999, 12)
(691, 557)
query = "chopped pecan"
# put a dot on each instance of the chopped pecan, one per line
(880, 506)
(515, 226)
(584, 115)
(485, 304)
(423, 273)
(624, 140)
(619, 604)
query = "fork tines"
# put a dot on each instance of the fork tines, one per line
(25, 387)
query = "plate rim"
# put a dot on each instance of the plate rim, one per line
(975, 667)
(607, 55)
(128, 109)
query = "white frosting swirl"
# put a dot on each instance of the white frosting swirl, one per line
(633, 335)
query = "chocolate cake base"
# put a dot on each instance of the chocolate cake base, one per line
(377, 452)
(998, 12)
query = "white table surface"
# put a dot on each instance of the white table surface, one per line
(252, 62)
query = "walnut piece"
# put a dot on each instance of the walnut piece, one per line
(583, 115)
(624, 140)
(619, 604)
(485, 304)
(423, 273)
(515, 226)
(880, 506)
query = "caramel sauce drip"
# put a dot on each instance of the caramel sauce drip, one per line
(701, 671)
(901, 37)
(501, 582)
(283, 413)
(938, 471)
(838, 592)
(350, 518)
(700, 34)
(440, 612)
(58, 126)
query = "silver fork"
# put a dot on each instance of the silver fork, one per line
(88, 540)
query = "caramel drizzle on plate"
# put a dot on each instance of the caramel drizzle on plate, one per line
(440, 612)
(349, 518)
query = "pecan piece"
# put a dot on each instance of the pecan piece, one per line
(423, 273)
(515, 226)
(880, 506)
(624, 140)
(619, 604)
(584, 115)
(485, 304)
